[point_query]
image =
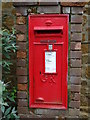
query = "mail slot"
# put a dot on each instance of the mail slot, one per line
(48, 51)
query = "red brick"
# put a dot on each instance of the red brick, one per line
(22, 79)
(75, 71)
(75, 88)
(20, 37)
(22, 94)
(21, 62)
(74, 104)
(22, 87)
(76, 36)
(75, 63)
(22, 102)
(21, 20)
(75, 54)
(75, 80)
(22, 110)
(21, 28)
(21, 71)
(77, 10)
(21, 46)
(75, 45)
(76, 27)
(76, 18)
(21, 54)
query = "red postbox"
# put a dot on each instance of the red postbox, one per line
(48, 51)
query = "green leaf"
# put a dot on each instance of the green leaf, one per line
(8, 116)
(17, 117)
(11, 99)
(7, 111)
(3, 109)
(5, 104)
(13, 110)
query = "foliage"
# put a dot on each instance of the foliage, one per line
(7, 99)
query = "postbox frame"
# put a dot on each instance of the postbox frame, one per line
(31, 82)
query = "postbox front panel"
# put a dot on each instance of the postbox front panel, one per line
(48, 38)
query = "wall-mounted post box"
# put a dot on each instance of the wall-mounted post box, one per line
(48, 50)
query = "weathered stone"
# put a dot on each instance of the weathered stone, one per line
(84, 109)
(84, 115)
(48, 9)
(84, 100)
(88, 72)
(84, 48)
(85, 59)
(85, 72)
(83, 37)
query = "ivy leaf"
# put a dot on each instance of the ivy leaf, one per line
(17, 117)
(13, 110)
(7, 111)
(11, 99)
(3, 109)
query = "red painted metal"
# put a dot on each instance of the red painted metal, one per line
(48, 89)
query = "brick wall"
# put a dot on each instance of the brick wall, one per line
(75, 14)
(84, 106)
(75, 83)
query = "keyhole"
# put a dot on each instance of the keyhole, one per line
(40, 72)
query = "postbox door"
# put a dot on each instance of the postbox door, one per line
(47, 75)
